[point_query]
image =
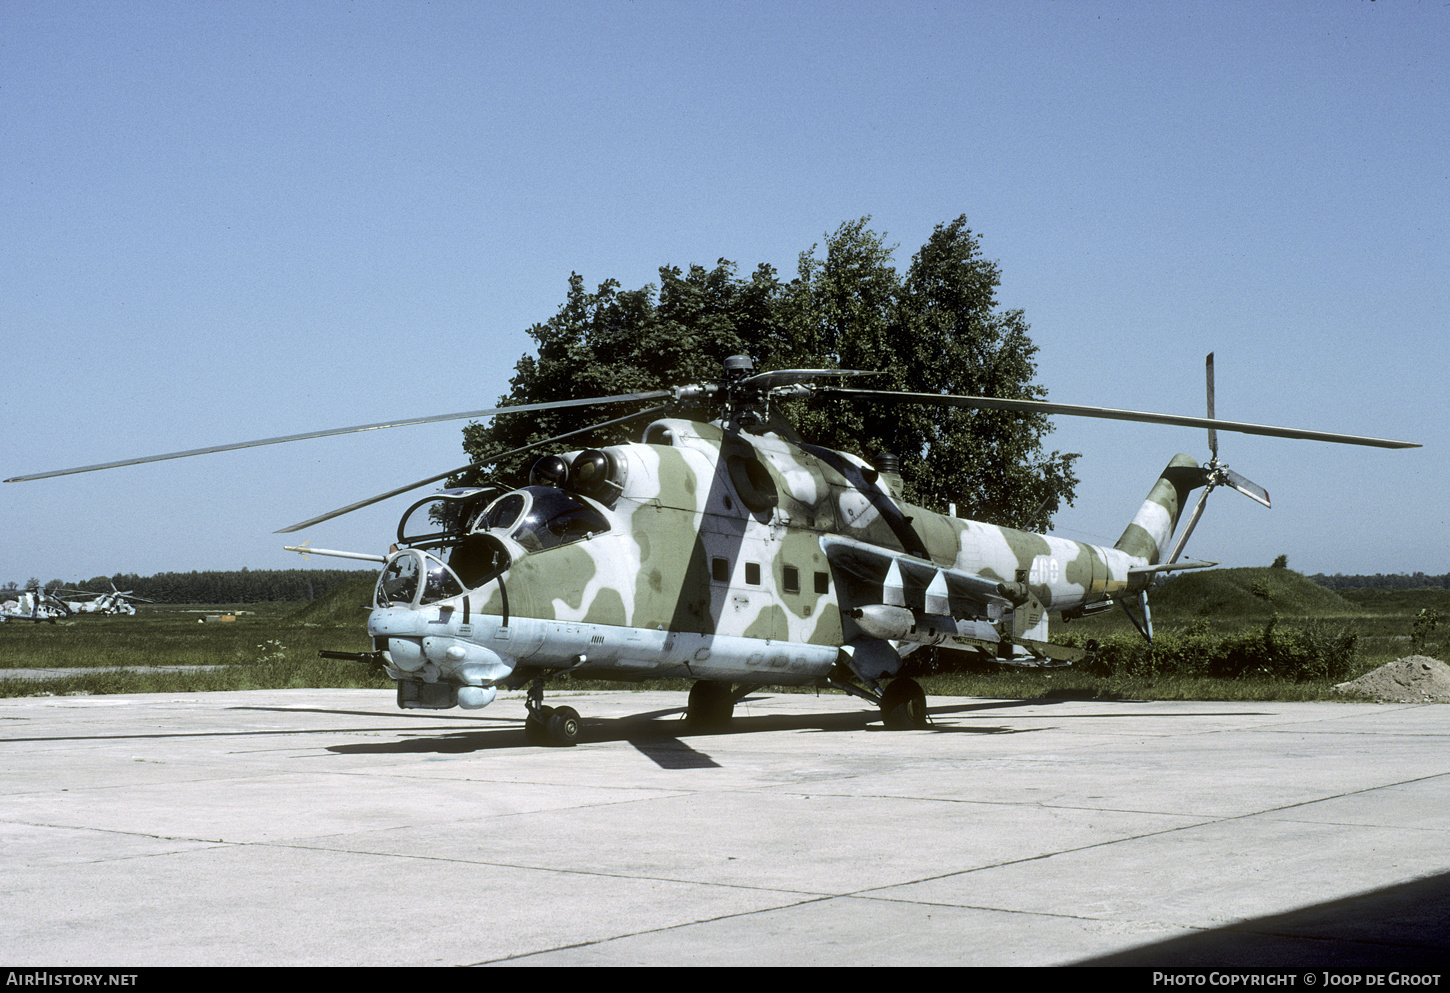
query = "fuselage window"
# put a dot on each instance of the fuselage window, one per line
(791, 579)
(823, 582)
(720, 570)
(752, 573)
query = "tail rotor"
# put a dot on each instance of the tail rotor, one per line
(1216, 473)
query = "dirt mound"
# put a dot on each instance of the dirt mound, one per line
(1416, 679)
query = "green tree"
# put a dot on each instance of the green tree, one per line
(938, 329)
(611, 342)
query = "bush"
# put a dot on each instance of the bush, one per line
(1316, 652)
(1424, 626)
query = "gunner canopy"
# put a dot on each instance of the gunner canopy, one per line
(414, 577)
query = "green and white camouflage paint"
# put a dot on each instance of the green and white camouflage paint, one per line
(730, 552)
(721, 555)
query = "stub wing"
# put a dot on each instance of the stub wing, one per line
(868, 574)
(893, 597)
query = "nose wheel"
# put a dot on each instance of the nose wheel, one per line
(552, 726)
(555, 727)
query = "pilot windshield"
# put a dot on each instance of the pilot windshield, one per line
(544, 517)
(502, 512)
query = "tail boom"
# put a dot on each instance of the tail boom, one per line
(1151, 529)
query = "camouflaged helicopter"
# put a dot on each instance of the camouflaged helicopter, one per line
(43, 605)
(113, 602)
(730, 552)
(35, 604)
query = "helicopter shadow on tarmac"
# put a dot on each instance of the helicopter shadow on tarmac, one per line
(659, 735)
(665, 737)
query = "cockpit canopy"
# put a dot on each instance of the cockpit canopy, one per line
(556, 509)
(534, 519)
(542, 517)
(413, 577)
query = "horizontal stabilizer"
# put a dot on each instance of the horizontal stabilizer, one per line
(1169, 567)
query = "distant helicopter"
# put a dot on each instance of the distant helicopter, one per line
(114, 602)
(728, 551)
(35, 604)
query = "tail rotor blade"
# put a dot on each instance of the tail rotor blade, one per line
(1212, 432)
(1247, 487)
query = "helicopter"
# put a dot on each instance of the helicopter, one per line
(114, 602)
(725, 549)
(35, 604)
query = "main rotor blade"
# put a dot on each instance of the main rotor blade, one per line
(1109, 413)
(490, 412)
(369, 501)
(472, 465)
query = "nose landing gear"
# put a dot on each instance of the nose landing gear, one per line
(549, 726)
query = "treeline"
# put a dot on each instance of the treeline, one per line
(1381, 581)
(262, 585)
(244, 586)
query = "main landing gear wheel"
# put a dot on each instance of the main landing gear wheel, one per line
(903, 706)
(712, 704)
(552, 726)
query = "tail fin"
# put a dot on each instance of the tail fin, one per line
(1152, 527)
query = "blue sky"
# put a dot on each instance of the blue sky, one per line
(223, 221)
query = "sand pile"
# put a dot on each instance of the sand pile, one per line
(1416, 679)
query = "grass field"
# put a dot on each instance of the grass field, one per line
(275, 645)
(266, 646)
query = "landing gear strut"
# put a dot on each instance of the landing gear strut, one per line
(551, 726)
(712, 704)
